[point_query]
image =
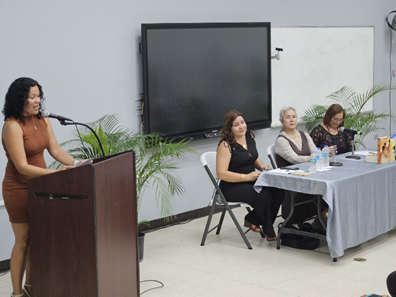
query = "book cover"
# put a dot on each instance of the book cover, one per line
(392, 149)
(384, 150)
(372, 158)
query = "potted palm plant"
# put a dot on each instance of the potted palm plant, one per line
(154, 158)
(356, 117)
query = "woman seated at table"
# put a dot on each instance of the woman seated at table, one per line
(236, 162)
(329, 131)
(293, 147)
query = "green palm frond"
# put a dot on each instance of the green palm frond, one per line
(353, 103)
(343, 96)
(153, 157)
(314, 116)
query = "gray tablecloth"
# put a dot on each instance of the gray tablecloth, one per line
(360, 196)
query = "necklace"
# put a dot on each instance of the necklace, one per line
(243, 145)
(35, 127)
(32, 121)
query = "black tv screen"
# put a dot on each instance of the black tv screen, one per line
(194, 73)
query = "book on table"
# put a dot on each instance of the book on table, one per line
(383, 150)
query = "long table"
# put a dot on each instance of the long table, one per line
(361, 197)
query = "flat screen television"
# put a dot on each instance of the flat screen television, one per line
(193, 73)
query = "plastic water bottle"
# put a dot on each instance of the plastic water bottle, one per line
(312, 163)
(319, 164)
(325, 156)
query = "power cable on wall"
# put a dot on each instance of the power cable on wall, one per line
(392, 27)
(391, 73)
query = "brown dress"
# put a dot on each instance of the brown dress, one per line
(15, 192)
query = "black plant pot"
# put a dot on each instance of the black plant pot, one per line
(141, 245)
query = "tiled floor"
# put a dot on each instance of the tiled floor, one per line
(224, 267)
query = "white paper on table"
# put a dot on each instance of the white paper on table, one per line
(365, 153)
(285, 171)
(325, 169)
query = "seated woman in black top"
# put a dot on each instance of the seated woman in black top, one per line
(236, 162)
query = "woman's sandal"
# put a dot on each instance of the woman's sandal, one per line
(316, 224)
(271, 238)
(252, 227)
(257, 229)
(19, 295)
(27, 290)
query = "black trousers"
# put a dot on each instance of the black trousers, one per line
(265, 204)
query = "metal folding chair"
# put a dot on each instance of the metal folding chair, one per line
(271, 155)
(218, 200)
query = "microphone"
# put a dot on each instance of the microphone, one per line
(353, 132)
(47, 114)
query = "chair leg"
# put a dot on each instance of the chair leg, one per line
(212, 208)
(280, 229)
(262, 232)
(319, 214)
(279, 236)
(238, 227)
(227, 208)
(221, 221)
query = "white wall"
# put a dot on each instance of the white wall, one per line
(85, 55)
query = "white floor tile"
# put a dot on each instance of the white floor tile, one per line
(225, 267)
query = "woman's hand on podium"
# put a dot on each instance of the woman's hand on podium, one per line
(84, 162)
(65, 167)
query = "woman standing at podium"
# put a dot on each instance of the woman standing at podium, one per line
(25, 136)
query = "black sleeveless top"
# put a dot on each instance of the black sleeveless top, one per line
(305, 150)
(242, 160)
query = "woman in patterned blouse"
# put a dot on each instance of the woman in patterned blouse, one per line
(328, 133)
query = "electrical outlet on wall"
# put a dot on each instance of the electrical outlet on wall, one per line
(375, 136)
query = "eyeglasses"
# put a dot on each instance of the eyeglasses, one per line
(336, 120)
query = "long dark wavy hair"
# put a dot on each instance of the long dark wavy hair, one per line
(17, 94)
(226, 133)
(331, 112)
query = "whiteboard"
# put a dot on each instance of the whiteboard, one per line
(316, 61)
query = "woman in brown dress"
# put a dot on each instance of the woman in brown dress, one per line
(25, 136)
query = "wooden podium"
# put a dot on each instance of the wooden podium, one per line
(83, 229)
